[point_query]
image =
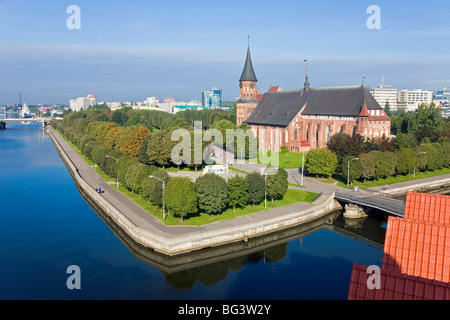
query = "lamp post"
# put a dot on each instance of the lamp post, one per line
(117, 177)
(348, 170)
(163, 186)
(414, 166)
(303, 163)
(265, 186)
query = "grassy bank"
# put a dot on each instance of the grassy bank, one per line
(201, 218)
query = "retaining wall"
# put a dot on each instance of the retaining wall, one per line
(188, 242)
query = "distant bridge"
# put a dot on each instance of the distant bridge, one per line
(38, 120)
(365, 199)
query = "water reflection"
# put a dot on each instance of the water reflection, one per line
(210, 266)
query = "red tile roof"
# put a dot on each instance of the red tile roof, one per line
(416, 256)
(417, 248)
(433, 208)
(275, 89)
(395, 286)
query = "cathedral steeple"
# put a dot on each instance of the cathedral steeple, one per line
(306, 81)
(248, 74)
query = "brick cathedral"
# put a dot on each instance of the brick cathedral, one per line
(306, 119)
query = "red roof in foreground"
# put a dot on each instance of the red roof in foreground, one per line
(395, 286)
(416, 257)
(417, 248)
(432, 208)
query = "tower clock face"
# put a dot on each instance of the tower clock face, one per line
(252, 85)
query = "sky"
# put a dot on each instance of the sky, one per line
(131, 50)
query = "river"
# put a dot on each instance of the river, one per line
(46, 225)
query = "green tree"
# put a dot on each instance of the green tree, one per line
(406, 161)
(122, 168)
(368, 166)
(136, 174)
(181, 197)
(381, 165)
(446, 153)
(159, 148)
(356, 168)
(277, 184)
(237, 192)
(256, 187)
(321, 162)
(212, 193)
(152, 189)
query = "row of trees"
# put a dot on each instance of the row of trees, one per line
(377, 164)
(132, 154)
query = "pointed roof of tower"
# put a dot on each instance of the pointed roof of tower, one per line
(248, 74)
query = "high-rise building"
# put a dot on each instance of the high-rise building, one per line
(82, 103)
(385, 94)
(410, 100)
(212, 99)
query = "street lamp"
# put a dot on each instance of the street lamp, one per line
(163, 186)
(265, 186)
(89, 145)
(117, 177)
(348, 170)
(414, 166)
(303, 163)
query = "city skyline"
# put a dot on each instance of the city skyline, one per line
(130, 51)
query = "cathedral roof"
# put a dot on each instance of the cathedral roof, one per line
(280, 108)
(248, 74)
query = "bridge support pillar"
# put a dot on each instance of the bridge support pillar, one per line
(352, 211)
(2, 125)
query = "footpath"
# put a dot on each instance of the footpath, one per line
(172, 240)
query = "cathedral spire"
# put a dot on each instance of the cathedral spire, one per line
(306, 81)
(248, 74)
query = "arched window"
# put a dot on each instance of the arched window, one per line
(328, 133)
(295, 135)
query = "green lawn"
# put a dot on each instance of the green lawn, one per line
(202, 218)
(288, 160)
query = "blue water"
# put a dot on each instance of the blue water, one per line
(46, 226)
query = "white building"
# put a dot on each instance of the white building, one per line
(385, 94)
(152, 101)
(82, 103)
(410, 100)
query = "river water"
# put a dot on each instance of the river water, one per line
(46, 225)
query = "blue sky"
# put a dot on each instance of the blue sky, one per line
(130, 50)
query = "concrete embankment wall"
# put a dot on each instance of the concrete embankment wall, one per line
(173, 244)
(438, 183)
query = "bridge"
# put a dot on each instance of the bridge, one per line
(35, 120)
(372, 200)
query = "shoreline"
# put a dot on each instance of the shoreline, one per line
(174, 240)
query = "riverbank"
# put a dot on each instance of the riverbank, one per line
(173, 240)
